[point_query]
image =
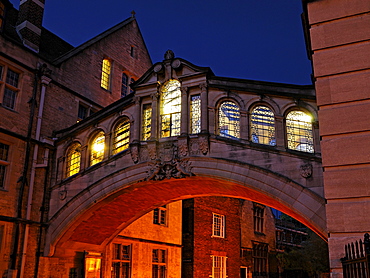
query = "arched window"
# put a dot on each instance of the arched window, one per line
(73, 160)
(299, 131)
(262, 125)
(229, 120)
(97, 148)
(121, 137)
(170, 108)
(105, 74)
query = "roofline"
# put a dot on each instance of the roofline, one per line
(90, 42)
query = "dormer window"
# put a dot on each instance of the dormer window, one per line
(170, 108)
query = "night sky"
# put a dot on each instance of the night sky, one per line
(251, 39)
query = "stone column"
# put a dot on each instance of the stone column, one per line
(204, 107)
(155, 116)
(280, 132)
(244, 125)
(184, 112)
(136, 122)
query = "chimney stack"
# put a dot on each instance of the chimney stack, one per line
(29, 22)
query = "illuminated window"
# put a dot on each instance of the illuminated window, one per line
(9, 88)
(170, 109)
(73, 160)
(218, 267)
(160, 215)
(229, 120)
(97, 149)
(4, 163)
(218, 227)
(259, 254)
(299, 131)
(195, 114)
(258, 218)
(147, 122)
(92, 267)
(121, 261)
(105, 74)
(121, 137)
(262, 123)
(159, 259)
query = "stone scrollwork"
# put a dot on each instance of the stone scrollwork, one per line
(203, 145)
(306, 170)
(135, 153)
(152, 150)
(183, 148)
(166, 170)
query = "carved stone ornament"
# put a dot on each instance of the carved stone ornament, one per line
(135, 153)
(203, 145)
(194, 147)
(158, 68)
(167, 152)
(306, 170)
(62, 194)
(183, 148)
(152, 150)
(166, 170)
(169, 54)
(176, 64)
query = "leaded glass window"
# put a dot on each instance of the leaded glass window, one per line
(73, 160)
(299, 131)
(218, 227)
(97, 149)
(121, 261)
(262, 125)
(105, 74)
(147, 122)
(259, 254)
(229, 120)
(124, 85)
(195, 114)
(121, 137)
(170, 108)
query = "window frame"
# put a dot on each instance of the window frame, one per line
(195, 114)
(101, 157)
(4, 164)
(170, 119)
(219, 266)
(116, 147)
(259, 218)
(106, 74)
(260, 259)
(256, 122)
(72, 148)
(222, 122)
(159, 266)
(310, 144)
(218, 225)
(121, 259)
(146, 122)
(160, 216)
(12, 88)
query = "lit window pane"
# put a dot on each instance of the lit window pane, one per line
(299, 131)
(229, 120)
(105, 75)
(263, 126)
(170, 109)
(147, 121)
(121, 137)
(195, 114)
(73, 160)
(97, 149)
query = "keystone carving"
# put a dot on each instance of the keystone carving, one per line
(165, 170)
(306, 170)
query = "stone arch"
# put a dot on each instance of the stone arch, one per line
(122, 197)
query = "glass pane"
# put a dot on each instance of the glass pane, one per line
(9, 98)
(105, 74)
(12, 78)
(195, 114)
(2, 176)
(73, 160)
(92, 267)
(299, 131)
(97, 149)
(147, 121)
(263, 126)
(170, 109)
(4, 149)
(121, 137)
(229, 120)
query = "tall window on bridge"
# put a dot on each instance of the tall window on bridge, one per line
(121, 261)
(195, 114)
(159, 260)
(229, 120)
(97, 149)
(170, 108)
(121, 137)
(147, 122)
(105, 74)
(299, 131)
(73, 160)
(262, 125)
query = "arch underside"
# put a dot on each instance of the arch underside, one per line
(96, 215)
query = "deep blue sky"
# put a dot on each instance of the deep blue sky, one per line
(251, 39)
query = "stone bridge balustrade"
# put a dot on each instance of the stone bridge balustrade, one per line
(195, 164)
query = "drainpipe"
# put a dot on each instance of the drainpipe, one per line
(44, 82)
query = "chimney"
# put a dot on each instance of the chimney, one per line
(29, 22)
